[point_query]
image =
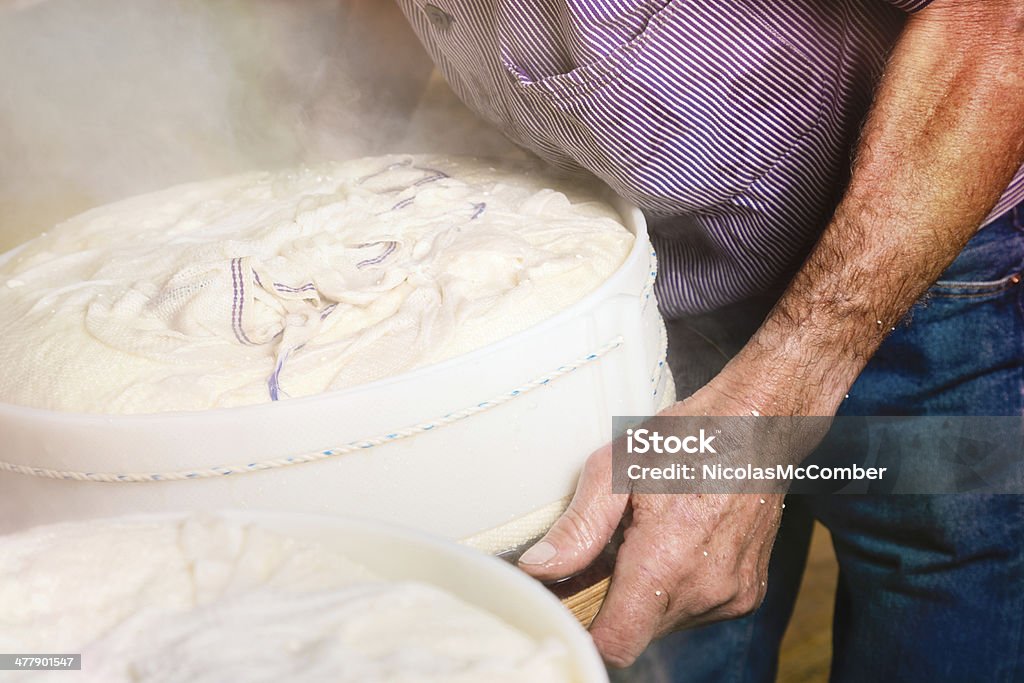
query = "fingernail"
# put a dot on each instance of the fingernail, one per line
(539, 554)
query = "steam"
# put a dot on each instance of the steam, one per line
(101, 99)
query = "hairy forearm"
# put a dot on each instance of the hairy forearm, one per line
(943, 139)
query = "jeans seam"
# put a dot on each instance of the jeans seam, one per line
(982, 288)
(970, 295)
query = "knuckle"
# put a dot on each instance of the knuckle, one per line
(743, 604)
(615, 648)
(719, 596)
(578, 526)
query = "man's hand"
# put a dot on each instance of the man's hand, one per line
(943, 139)
(686, 560)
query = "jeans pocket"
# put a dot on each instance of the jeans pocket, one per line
(957, 289)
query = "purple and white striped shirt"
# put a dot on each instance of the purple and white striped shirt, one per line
(730, 123)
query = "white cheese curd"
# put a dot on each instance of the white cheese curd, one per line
(206, 600)
(273, 285)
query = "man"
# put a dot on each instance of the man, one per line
(733, 124)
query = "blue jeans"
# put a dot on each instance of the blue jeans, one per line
(931, 588)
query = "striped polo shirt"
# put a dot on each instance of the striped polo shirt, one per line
(730, 122)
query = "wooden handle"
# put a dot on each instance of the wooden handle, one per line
(585, 604)
(583, 593)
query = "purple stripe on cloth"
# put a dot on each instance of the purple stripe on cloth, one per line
(1013, 196)
(429, 179)
(238, 302)
(434, 175)
(730, 123)
(327, 311)
(910, 5)
(389, 248)
(308, 287)
(274, 381)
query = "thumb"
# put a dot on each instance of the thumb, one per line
(584, 529)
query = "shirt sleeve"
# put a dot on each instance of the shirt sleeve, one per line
(910, 5)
